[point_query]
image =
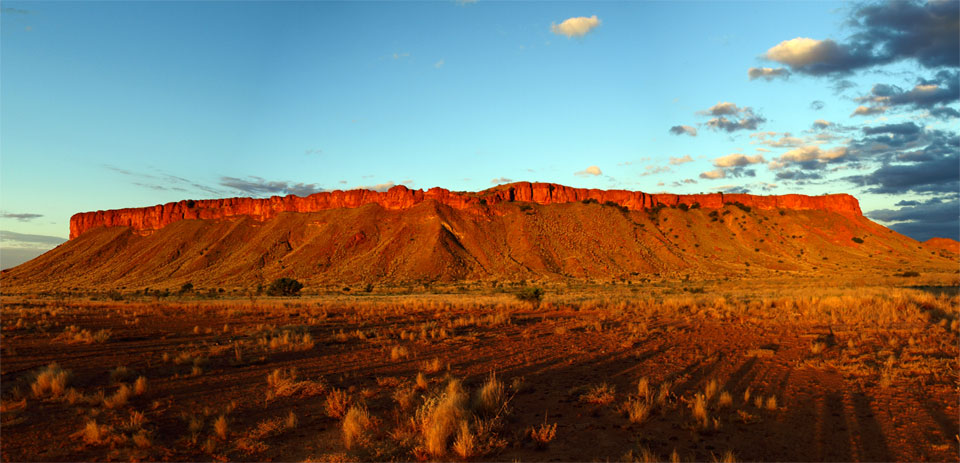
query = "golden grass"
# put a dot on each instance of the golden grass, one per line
(698, 407)
(601, 394)
(50, 382)
(491, 397)
(140, 386)
(439, 418)
(220, 427)
(337, 403)
(543, 434)
(637, 410)
(465, 445)
(356, 422)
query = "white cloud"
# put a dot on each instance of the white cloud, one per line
(737, 160)
(575, 27)
(714, 174)
(438, 64)
(681, 160)
(401, 55)
(592, 170)
(803, 51)
(500, 180)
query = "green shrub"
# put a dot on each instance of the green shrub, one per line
(284, 287)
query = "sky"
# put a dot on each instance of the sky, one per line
(106, 105)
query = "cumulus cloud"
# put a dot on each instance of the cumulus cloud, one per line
(883, 33)
(817, 105)
(681, 160)
(742, 118)
(808, 157)
(23, 217)
(939, 91)
(714, 174)
(575, 27)
(683, 129)
(737, 160)
(592, 170)
(868, 110)
(785, 140)
(936, 217)
(257, 186)
(821, 124)
(938, 175)
(500, 180)
(768, 74)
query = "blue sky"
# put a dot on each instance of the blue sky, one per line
(127, 104)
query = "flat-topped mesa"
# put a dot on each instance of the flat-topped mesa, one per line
(147, 219)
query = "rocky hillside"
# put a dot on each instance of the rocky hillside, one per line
(519, 231)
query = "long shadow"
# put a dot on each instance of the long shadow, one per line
(873, 445)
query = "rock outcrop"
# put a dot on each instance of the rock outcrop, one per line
(147, 219)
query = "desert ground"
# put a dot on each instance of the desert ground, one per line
(803, 369)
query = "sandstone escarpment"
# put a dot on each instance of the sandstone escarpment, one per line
(148, 219)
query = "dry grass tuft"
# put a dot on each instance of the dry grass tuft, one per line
(337, 403)
(771, 403)
(94, 434)
(491, 397)
(699, 409)
(543, 434)
(51, 381)
(465, 444)
(119, 398)
(637, 410)
(439, 418)
(725, 400)
(220, 427)
(355, 424)
(140, 386)
(600, 395)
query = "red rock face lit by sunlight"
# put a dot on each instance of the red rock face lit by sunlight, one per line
(147, 219)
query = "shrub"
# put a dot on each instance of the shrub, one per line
(590, 201)
(683, 207)
(531, 294)
(525, 207)
(284, 287)
(742, 206)
(857, 240)
(186, 288)
(618, 206)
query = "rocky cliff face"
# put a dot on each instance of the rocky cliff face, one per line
(148, 219)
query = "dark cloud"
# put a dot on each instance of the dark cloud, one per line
(841, 86)
(742, 118)
(768, 74)
(257, 186)
(23, 217)
(817, 105)
(683, 129)
(28, 240)
(798, 175)
(944, 113)
(936, 217)
(939, 175)
(884, 33)
(161, 181)
(906, 128)
(943, 89)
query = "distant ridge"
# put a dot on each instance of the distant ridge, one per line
(522, 231)
(148, 219)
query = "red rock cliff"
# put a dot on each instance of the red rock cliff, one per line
(146, 219)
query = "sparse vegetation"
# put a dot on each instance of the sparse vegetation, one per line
(284, 287)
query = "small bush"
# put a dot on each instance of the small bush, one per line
(857, 240)
(590, 201)
(907, 274)
(531, 294)
(742, 206)
(284, 287)
(683, 207)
